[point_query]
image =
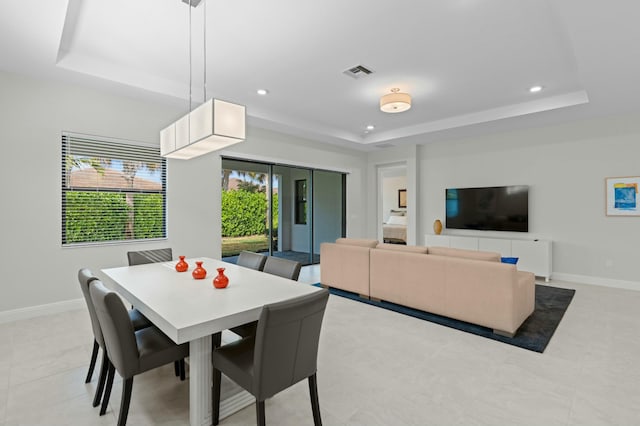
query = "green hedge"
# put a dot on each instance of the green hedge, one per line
(95, 216)
(148, 220)
(276, 205)
(99, 216)
(103, 216)
(244, 213)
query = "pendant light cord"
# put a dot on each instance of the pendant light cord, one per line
(190, 71)
(205, 51)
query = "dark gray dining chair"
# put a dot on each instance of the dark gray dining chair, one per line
(251, 260)
(282, 267)
(138, 321)
(255, 261)
(283, 352)
(130, 352)
(143, 257)
(275, 266)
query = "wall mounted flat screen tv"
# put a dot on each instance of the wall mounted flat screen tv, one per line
(498, 208)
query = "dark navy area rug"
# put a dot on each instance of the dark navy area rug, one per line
(534, 334)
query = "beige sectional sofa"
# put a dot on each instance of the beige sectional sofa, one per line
(471, 286)
(347, 264)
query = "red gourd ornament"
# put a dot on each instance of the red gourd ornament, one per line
(182, 266)
(199, 273)
(221, 280)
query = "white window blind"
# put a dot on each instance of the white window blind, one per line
(112, 190)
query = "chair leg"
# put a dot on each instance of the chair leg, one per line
(94, 357)
(260, 413)
(103, 375)
(216, 340)
(126, 400)
(107, 389)
(182, 370)
(215, 397)
(176, 368)
(315, 403)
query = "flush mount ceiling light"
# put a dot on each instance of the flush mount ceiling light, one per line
(212, 126)
(395, 101)
(535, 89)
(262, 92)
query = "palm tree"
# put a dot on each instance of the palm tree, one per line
(71, 162)
(260, 179)
(226, 173)
(129, 170)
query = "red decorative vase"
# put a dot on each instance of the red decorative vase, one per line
(199, 273)
(182, 266)
(221, 280)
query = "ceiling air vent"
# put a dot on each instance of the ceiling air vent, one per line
(383, 145)
(357, 71)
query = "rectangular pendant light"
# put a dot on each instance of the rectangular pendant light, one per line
(212, 126)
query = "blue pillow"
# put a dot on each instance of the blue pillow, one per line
(512, 260)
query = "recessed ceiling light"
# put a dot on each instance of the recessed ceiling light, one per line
(535, 89)
(371, 127)
(262, 92)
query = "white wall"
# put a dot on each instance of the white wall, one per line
(36, 270)
(565, 167)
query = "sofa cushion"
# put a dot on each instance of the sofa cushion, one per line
(357, 242)
(401, 247)
(466, 254)
(512, 260)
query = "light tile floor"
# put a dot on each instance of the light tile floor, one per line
(375, 368)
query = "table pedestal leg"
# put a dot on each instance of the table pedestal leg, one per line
(200, 381)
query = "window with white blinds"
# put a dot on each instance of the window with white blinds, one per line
(112, 190)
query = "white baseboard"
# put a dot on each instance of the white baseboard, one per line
(603, 282)
(40, 310)
(235, 403)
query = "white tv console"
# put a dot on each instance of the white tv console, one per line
(534, 255)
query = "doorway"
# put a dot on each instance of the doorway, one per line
(392, 204)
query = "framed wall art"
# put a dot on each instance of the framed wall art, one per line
(402, 198)
(622, 196)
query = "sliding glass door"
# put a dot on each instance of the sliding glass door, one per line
(329, 208)
(295, 220)
(282, 210)
(245, 208)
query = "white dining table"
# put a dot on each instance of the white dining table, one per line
(189, 310)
